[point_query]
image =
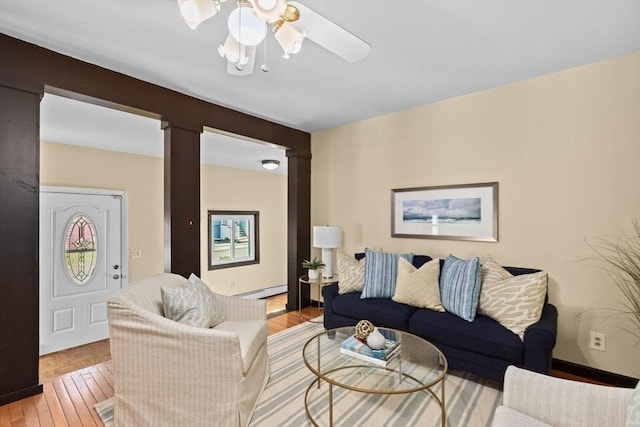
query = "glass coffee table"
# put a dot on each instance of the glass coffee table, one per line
(417, 367)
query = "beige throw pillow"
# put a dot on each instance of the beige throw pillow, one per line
(350, 274)
(418, 287)
(515, 302)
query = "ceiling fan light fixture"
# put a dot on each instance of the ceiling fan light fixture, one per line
(233, 51)
(270, 164)
(268, 10)
(288, 38)
(195, 12)
(245, 26)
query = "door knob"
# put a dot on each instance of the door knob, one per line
(116, 276)
(115, 267)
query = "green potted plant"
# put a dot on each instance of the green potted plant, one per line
(313, 267)
(621, 257)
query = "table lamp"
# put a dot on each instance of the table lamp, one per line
(327, 238)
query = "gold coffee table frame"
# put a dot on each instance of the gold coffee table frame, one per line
(418, 353)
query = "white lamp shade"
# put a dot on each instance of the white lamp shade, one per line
(195, 12)
(245, 26)
(289, 39)
(231, 50)
(268, 10)
(327, 237)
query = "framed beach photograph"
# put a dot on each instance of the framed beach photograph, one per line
(453, 212)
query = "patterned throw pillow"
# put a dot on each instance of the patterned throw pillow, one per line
(460, 286)
(350, 274)
(515, 302)
(633, 410)
(380, 273)
(192, 304)
(418, 287)
(217, 312)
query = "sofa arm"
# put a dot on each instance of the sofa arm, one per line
(236, 308)
(539, 340)
(561, 402)
(329, 292)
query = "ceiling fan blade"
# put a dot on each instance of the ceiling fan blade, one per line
(250, 52)
(330, 35)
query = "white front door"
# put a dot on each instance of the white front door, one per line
(81, 248)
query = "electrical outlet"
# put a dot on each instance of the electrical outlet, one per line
(598, 341)
(136, 253)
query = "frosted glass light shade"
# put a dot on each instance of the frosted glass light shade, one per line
(268, 10)
(231, 50)
(245, 26)
(327, 237)
(195, 12)
(289, 39)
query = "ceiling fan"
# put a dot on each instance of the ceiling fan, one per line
(291, 22)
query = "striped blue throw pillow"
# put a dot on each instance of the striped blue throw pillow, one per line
(380, 273)
(460, 286)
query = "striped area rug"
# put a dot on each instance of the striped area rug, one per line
(470, 401)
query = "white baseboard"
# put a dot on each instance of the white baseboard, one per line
(264, 293)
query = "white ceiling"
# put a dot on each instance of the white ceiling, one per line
(422, 52)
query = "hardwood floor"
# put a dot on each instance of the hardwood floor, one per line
(76, 379)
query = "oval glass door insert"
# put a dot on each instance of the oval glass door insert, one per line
(80, 249)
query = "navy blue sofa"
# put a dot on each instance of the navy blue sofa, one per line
(482, 347)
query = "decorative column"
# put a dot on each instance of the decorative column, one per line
(181, 199)
(19, 210)
(299, 224)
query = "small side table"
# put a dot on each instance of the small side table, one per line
(319, 283)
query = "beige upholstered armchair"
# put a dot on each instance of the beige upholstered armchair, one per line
(535, 400)
(171, 374)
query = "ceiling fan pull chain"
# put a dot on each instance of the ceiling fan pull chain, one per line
(239, 65)
(264, 66)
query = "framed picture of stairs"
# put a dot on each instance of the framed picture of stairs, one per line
(233, 238)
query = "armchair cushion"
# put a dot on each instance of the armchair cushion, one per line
(507, 417)
(252, 335)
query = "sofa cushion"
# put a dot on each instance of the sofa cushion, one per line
(380, 273)
(380, 311)
(192, 304)
(460, 286)
(483, 336)
(418, 287)
(350, 274)
(252, 335)
(514, 301)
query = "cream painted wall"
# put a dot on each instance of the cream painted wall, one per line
(142, 179)
(235, 189)
(565, 149)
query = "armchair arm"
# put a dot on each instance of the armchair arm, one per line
(561, 402)
(236, 308)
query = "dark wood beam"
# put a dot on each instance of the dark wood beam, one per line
(181, 200)
(299, 223)
(19, 211)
